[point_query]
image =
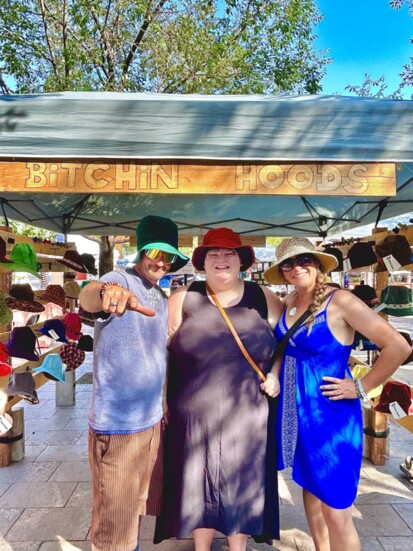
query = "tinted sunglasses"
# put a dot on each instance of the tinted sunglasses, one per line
(156, 254)
(302, 260)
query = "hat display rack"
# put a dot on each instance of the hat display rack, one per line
(30, 365)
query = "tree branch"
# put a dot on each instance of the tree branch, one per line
(46, 34)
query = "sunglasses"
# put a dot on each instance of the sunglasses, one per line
(302, 260)
(158, 254)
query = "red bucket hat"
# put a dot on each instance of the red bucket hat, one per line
(395, 391)
(73, 325)
(5, 369)
(54, 294)
(4, 353)
(227, 239)
(72, 356)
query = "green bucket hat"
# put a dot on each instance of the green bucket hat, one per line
(6, 315)
(396, 300)
(23, 259)
(157, 232)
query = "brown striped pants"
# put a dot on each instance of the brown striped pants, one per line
(127, 483)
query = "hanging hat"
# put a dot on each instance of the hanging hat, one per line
(73, 260)
(54, 329)
(73, 325)
(294, 246)
(398, 247)
(227, 239)
(6, 315)
(72, 356)
(4, 353)
(89, 263)
(5, 369)
(85, 343)
(157, 232)
(358, 371)
(395, 391)
(21, 297)
(361, 254)
(334, 251)
(24, 259)
(397, 301)
(84, 314)
(54, 294)
(22, 344)
(3, 259)
(367, 294)
(23, 384)
(72, 289)
(52, 367)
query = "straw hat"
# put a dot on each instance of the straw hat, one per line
(294, 246)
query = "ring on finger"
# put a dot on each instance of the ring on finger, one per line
(338, 392)
(113, 303)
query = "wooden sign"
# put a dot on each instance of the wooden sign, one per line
(348, 179)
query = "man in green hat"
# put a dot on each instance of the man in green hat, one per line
(129, 365)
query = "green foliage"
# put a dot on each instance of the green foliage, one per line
(25, 229)
(174, 46)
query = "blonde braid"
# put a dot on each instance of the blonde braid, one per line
(319, 292)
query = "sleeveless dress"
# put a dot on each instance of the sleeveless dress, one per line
(220, 460)
(322, 440)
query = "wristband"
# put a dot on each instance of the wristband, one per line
(360, 391)
(104, 286)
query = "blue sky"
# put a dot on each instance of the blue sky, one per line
(364, 36)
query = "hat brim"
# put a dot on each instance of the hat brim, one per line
(52, 375)
(274, 276)
(24, 305)
(22, 268)
(45, 331)
(180, 262)
(245, 252)
(73, 265)
(4, 260)
(26, 355)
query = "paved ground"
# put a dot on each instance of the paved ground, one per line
(45, 499)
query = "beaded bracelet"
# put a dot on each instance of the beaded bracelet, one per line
(361, 393)
(104, 286)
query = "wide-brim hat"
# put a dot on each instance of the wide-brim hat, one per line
(52, 367)
(6, 315)
(54, 328)
(157, 232)
(21, 297)
(397, 301)
(23, 384)
(294, 246)
(72, 289)
(367, 294)
(334, 251)
(54, 294)
(72, 356)
(223, 238)
(73, 260)
(89, 263)
(397, 246)
(23, 259)
(3, 251)
(22, 344)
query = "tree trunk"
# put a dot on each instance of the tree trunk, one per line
(107, 243)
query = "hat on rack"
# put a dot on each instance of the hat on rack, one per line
(54, 294)
(89, 263)
(73, 325)
(6, 315)
(85, 343)
(72, 289)
(395, 391)
(367, 294)
(73, 260)
(223, 238)
(55, 329)
(5, 369)
(295, 246)
(21, 297)
(3, 250)
(22, 344)
(23, 259)
(23, 384)
(52, 367)
(396, 246)
(72, 356)
(157, 232)
(334, 251)
(84, 314)
(4, 353)
(397, 301)
(361, 254)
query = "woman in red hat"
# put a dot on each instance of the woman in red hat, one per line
(221, 465)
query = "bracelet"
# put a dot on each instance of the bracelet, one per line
(361, 393)
(104, 286)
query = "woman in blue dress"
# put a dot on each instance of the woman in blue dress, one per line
(319, 422)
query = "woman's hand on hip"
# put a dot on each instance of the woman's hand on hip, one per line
(339, 389)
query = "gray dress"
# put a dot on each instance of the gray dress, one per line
(220, 457)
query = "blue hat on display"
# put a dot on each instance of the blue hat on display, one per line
(54, 328)
(52, 367)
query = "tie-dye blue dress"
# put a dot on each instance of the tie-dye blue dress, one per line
(320, 439)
